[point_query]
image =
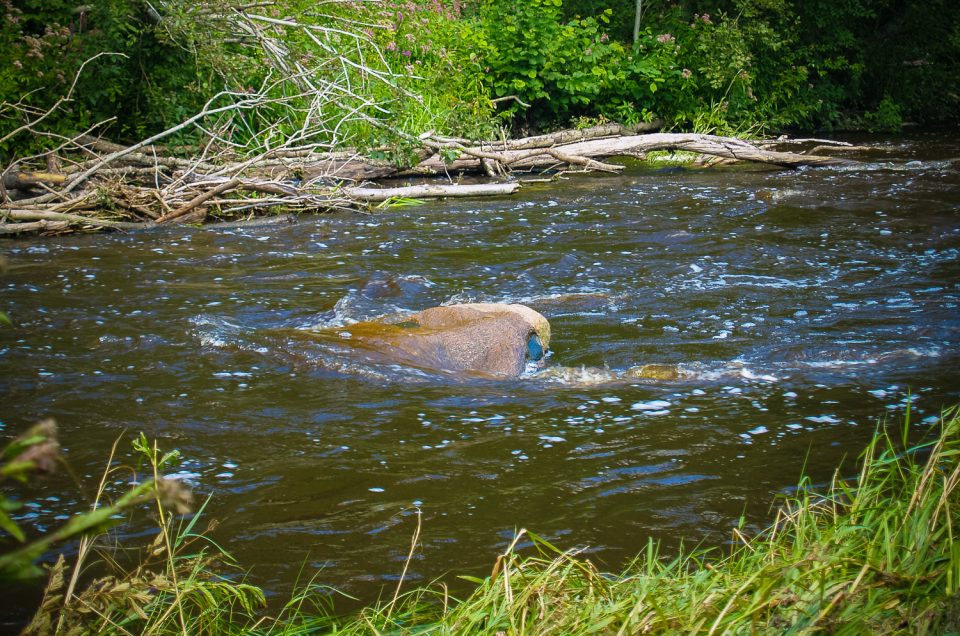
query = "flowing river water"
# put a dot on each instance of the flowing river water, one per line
(798, 307)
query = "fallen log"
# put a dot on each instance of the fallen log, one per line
(73, 219)
(571, 136)
(318, 167)
(377, 195)
(126, 189)
(35, 226)
(17, 180)
(627, 146)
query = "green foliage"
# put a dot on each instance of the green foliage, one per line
(715, 73)
(565, 70)
(875, 49)
(142, 85)
(437, 52)
(886, 118)
(37, 451)
(735, 65)
(175, 588)
(33, 452)
(378, 75)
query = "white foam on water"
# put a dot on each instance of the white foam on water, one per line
(653, 407)
(823, 419)
(749, 374)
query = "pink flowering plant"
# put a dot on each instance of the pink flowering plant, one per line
(433, 46)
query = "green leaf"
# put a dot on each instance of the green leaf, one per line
(7, 524)
(653, 87)
(471, 579)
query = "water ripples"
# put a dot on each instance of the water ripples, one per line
(794, 308)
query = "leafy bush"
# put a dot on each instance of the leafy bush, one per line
(134, 81)
(563, 70)
(144, 72)
(433, 51)
(886, 118)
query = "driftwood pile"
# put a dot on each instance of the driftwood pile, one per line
(100, 185)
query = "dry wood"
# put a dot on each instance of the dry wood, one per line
(146, 188)
(589, 164)
(190, 205)
(846, 148)
(571, 136)
(35, 226)
(44, 215)
(376, 195)
(630, 146)
(18, 180)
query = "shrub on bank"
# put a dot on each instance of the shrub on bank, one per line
(391, 71)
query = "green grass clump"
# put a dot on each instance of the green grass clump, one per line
(874, 554)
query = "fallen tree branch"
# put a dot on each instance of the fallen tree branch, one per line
(35, 226)
(510, 97)
(570, 136)
(377, 195)
(626, 146)
(589, 164)
(20, 180)
(291, 179)
(190, 205)
(44, 215)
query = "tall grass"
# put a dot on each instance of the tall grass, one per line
(176, 585)
(873, 554)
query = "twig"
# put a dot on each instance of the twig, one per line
(182, 210)
(406, 564)
(66, 98)
(509, 97)
(206, 112)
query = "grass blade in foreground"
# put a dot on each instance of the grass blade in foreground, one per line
(873, 555)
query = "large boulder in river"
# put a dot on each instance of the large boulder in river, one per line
(490, 339)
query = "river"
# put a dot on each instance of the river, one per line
(801, 308)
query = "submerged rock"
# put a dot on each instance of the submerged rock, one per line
(491, 339)
(578, 376)
(480, 339)
(593, 376)
(654, 372)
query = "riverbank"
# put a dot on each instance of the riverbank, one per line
(872, 552)
(105, 186)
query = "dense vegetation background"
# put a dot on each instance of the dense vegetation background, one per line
(708, 65)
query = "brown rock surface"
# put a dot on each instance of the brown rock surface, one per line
(477, 338)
